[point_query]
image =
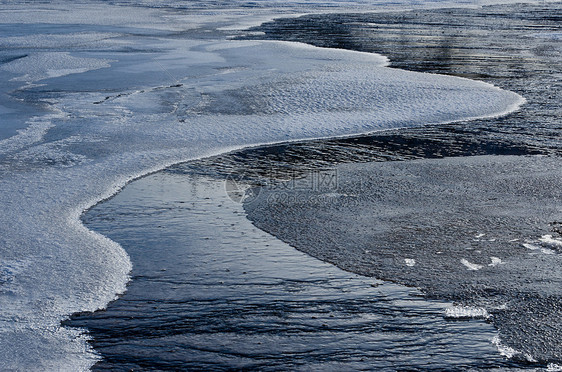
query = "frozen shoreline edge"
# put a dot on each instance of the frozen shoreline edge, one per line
(120, 185)
(75, 216)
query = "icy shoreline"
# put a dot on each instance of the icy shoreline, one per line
(86, 152)
(212, 291)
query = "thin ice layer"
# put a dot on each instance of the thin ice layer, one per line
(148, 101)
(431, 211)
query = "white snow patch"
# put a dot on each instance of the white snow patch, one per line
(471, 266)
(549, 240)
(34, 133)
(552, 367)
(531, 246)
(495, 261)
(504, 350)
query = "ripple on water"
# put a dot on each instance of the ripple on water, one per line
(211, 291)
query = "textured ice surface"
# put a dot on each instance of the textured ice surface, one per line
(142, 100)
(41, 66)
(430, 211)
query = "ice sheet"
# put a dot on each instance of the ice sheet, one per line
(139, 102)
(41, 66)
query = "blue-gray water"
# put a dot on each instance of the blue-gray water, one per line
(209, 291)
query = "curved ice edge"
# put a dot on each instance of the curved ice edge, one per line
(87, 356)
(117, 283)
(511, 353)
(120, 184)
(76, 215)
